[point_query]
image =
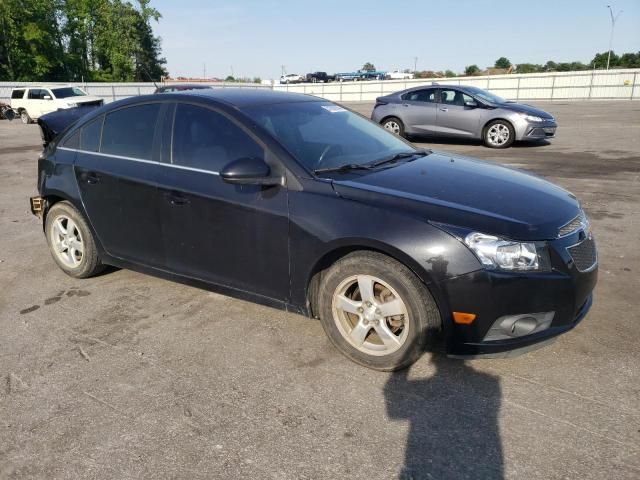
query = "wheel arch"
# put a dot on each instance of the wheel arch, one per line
(339, 250)
(491, 120)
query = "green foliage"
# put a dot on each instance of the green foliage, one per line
(66, 40)
(230, 78)
(471, 70)
(502, 62)
(529, 68)
(368, 67)
(449, 73)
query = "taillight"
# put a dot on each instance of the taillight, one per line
(379, 103)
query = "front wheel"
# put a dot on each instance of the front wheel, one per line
(24, 116)
(71, 243)
(499, 134)
(376, 311)
(394, 125)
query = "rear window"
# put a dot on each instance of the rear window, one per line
(129, 132)
(90, 137)
(17, 94)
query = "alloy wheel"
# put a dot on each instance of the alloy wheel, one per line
(392, 126)
(498, 134)
(67, 241)
(370, 315)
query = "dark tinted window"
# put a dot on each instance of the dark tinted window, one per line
(129, 132)
(35, 94)
(208, 140)
(90, 137)
(454, 97)
(428, 95)
(17, 94)
(72, 141)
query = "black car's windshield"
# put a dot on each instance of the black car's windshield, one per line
(484, 95)
(323, 135)
(67, 92)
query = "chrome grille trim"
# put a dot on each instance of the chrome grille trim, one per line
(574, 225)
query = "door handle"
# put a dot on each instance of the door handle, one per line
(90, 177)
(177, 199)
(444, 109)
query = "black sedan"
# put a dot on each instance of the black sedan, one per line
(298, 203)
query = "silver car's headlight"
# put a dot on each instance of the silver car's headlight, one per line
(531, 118)
(495, 252)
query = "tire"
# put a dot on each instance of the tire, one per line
(403, 333)
(75, 253)
(24, 116)
(394, 125)
(498, 134)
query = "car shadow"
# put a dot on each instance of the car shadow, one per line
(453, 421)
(474, 142)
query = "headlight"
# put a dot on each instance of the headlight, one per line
(531, 118)
(494, 252)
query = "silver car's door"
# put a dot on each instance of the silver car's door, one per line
(418, 111)
(455, 116)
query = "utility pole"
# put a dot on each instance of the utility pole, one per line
(282, 70)
(415, 64)
(614, 19)
(204, 71)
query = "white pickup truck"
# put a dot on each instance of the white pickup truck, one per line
(33, 102)
(398, 75)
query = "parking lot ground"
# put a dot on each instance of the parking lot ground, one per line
(129, 376)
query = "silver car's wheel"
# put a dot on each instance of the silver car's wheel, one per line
(66, 241)
(499, 134)
(394, 125)
(370, 315)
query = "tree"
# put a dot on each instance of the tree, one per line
(449, 74)
(368, 67)
(502, 62)
(471, 70)
(529, 68)
(230, 78)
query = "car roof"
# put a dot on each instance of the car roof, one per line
(244, 97)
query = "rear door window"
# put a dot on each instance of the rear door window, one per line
(208, 140)
(17, 94)
(90, 136)
(427, 95)
(34, 94)
(129, 132)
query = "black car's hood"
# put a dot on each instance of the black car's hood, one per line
(522, 108)
(468, 193)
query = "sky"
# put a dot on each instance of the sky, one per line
(254, 38)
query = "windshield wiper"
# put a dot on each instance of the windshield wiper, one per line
(399, 156)
(344, 168)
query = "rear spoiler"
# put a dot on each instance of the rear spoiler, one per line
(54, 123)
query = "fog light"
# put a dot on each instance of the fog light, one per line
(513, 326)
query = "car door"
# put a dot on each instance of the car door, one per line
(418, 111)
(35, 103)
(454, 117)
(232, 235)
(117, 170)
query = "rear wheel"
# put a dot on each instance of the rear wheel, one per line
(499, 134)
(71, 243)
(394, 125)
(24, 116)
(376, 311)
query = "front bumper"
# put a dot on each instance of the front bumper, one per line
(539, 131)
(566, 290)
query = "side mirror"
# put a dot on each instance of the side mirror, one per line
(46, 97)
(471, 104)
(249, 171)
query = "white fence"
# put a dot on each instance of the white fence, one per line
(584, 85)
(111, 92)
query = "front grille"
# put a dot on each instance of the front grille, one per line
(578, 222)
(584, 254)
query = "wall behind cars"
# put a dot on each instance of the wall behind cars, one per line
(583, 85)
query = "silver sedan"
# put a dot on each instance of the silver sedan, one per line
(462, 112)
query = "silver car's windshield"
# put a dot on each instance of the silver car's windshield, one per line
(484, 95)
(324, 135)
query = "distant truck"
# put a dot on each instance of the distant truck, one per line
(360, 75)
(399, 75)
(319, 77)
